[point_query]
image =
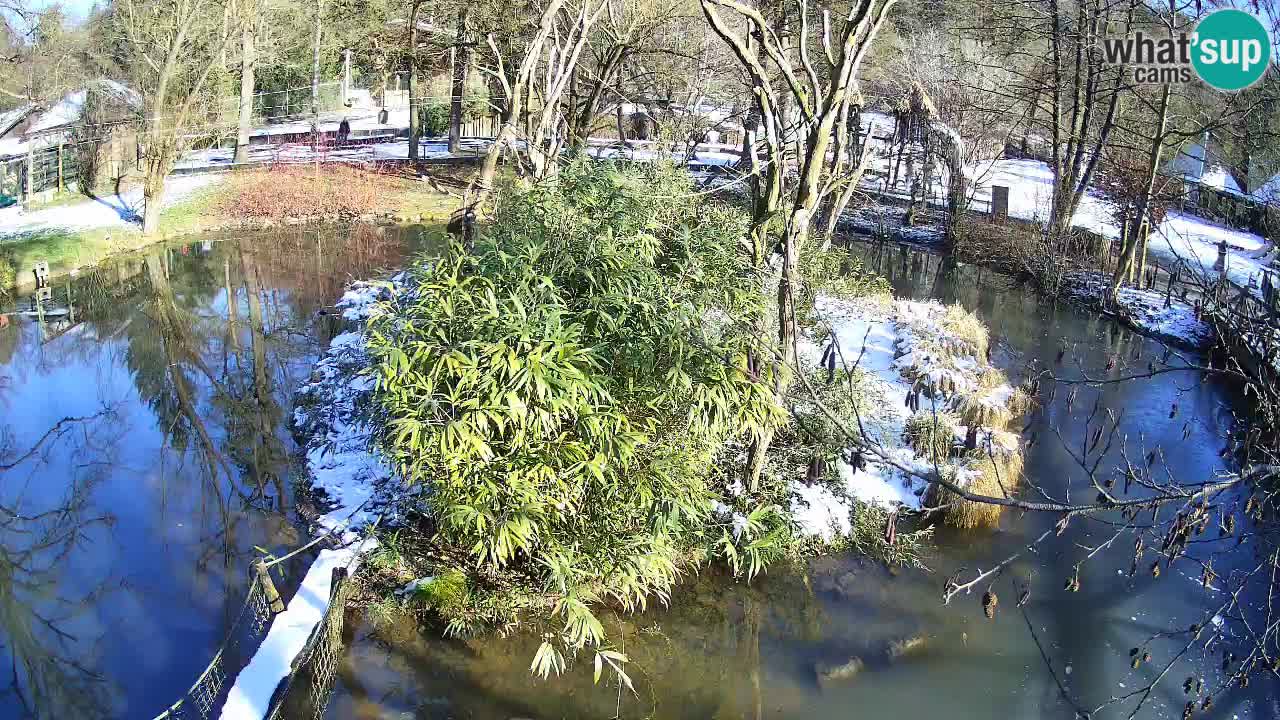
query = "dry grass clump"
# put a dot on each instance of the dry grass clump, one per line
(981, 409)
(931, 435)
(1004, 443)
(991, 377)
(962, 324)
(304, 191)
(981, 473)
(1021, 401)
(1017, 248)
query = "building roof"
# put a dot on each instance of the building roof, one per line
(1209, 170)
(46, 126)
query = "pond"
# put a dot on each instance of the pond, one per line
(727, 649)
(146, 458)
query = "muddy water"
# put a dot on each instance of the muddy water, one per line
(145, 454)
(725, 649)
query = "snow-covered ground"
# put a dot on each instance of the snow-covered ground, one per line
(1144, 310)
(355, 481)
(892, 341)
(1180, 240)
(1192, 242)
(122, 210)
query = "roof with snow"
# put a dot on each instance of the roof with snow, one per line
(1267, 192)
(1217, 177)
(9, 118)
(1208, 169)
(32, 126)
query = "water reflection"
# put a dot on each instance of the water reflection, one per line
(726, 650)
(145, 453)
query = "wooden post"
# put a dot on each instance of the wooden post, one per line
(999, 202)
(31, 179)
(269, 588)
(61, 185)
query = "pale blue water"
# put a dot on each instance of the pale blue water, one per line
(127, 559)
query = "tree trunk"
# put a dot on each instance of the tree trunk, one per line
(315, 67)
(461, 65)
(247, 60)
(159, 158)
(152, 197)
(415, 124)
(583, 118)
(482, 185)
(1139, 220)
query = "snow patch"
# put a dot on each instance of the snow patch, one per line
(889, 340)
(1176, 324)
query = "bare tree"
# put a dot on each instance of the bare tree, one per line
(822, 100)
(550, 58)
(172, 47)
(458, 87)
(248, 17)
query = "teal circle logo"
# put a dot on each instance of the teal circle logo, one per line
(1231, 49)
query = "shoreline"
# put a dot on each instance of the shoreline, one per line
(198, 213)
(1176, 325)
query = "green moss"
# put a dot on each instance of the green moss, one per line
(66, 250)
(446, 594)
(194, 213)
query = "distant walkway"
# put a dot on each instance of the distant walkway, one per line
(117, 210)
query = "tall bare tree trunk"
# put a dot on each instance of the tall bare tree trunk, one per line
(415, 124)
(315, 66)
(247, 61)
(1139, 220)
(513, 109)
(152, 198)
(461, 65)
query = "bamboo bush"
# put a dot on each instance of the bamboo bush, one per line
(562, 393)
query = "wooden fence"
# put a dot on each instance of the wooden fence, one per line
(1246, 320)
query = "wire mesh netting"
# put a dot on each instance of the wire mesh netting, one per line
(304, 693)
(250, 625)
(307, 689)
(51, 168)
(296, 102)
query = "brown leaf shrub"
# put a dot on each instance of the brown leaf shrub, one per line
(304, 191)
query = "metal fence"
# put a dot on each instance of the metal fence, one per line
(306, 691)
(51, 168)
(279, 105)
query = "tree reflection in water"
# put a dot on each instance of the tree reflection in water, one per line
(132, 524)
(47, 644)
